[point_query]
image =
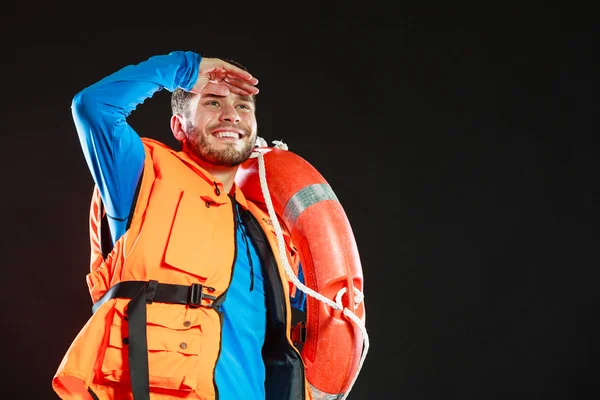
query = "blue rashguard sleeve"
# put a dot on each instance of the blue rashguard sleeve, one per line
(112, 149)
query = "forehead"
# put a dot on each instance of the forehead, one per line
(230, 97)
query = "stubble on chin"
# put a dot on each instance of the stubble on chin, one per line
(201, 148)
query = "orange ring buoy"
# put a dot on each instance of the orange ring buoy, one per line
(319, 227)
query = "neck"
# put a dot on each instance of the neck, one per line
(224, 175)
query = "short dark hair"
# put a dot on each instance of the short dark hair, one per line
(180, 98)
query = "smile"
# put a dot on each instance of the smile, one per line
(226, 134)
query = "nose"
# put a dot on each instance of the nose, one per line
(229, 114)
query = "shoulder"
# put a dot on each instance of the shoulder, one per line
(153, 143)
(155, 147)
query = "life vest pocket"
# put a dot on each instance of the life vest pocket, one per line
(194, 249)
(173, 354)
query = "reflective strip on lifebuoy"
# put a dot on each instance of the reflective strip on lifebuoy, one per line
(304, 198)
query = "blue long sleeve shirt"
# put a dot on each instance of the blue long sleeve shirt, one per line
(115, 156)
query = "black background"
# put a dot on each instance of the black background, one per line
(458, 140)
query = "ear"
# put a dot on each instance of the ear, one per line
(177, 127)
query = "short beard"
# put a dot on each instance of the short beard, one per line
(200, 147)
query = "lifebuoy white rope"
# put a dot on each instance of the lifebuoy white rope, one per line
(337, 304)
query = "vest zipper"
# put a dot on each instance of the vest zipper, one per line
(245, 235)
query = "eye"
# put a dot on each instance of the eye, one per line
(244, 106)
(212, 103)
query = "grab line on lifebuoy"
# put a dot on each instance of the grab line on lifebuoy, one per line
(357, 300)
(337, 305)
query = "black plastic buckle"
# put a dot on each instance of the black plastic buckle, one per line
(196, 294)
(298, 334)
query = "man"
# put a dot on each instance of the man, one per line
(190, 297)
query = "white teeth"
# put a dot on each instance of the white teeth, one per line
(223, 134)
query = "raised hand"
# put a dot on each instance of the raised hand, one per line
(220, 78)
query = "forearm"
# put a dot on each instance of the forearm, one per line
(118, 94)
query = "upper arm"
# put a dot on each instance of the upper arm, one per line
(115, 157)
(113, 150)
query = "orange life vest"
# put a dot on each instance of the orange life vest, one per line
(167, 242)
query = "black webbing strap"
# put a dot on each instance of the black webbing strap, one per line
(191, 295)
(138, 343)
(142, 293)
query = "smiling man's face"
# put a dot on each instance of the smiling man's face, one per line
(220, 130)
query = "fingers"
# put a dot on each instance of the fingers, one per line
(243, 88)
(217, 71)
(238, 73)
(239, 81)
(222, 89)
